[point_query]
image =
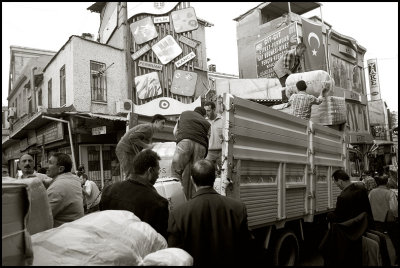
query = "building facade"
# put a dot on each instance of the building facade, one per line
(344, 59)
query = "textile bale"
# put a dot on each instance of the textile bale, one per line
(166, 152)
(171, 189)
(110, 237)
(317, 81)
(259, 88)
(168, 257)
(332, 111)
(16, 242)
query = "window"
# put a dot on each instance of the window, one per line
(50, 94)
(98, 81)
(40, 97)
(63, 92)
(24, 96)
(19, 107)
(16, 107)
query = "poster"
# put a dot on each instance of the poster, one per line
(167, 49)
(272, 47)
(148, 85)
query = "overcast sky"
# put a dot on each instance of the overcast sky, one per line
(49, 25)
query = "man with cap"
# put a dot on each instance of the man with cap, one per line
(301, 102)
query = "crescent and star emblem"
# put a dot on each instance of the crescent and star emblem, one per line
(311, 35)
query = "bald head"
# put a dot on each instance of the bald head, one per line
(26, 164)
(203, 173)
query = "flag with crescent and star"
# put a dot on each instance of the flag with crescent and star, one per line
(315, 53)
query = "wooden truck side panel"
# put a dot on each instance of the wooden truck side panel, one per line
(279, 165)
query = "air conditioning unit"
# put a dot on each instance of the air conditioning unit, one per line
(124, 106)
(11, 113)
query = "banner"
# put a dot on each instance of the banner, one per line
(315, 53)
(271, 48)
(374, 88)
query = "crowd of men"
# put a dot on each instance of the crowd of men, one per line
(212, 228)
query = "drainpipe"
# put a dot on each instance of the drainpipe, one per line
(70, 137)
(33, 89)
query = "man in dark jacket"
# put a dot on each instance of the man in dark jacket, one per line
(352, 201)
(191, 132)
(211, 228)
(137, 193)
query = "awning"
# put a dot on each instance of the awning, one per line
(101, 116)
(383, 142)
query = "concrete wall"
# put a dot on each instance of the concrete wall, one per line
(116, 81)
(52, 72)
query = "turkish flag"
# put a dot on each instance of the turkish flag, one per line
(315, 53)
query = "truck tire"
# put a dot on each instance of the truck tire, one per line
(286, 249)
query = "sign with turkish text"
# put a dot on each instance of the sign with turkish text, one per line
(185, 59)
(272, 47)
(374, 87)
(163, 19)
(150, 65)
(188, 41)
(154, 8)
(347, 51)
(99, 130)
(315, 50)
(140, 52)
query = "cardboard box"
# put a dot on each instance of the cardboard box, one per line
(166, 152)
(332, 111)
(172, 190)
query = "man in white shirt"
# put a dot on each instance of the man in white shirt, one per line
(92, 194)
(215, 138)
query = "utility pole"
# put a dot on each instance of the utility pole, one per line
(127, 48)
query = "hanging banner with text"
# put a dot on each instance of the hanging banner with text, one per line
(272, 47)
(374, 88)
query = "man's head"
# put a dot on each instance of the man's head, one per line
(158, 121)
(341, 178)
(146, 164)
(301, 85)
(26, 164)
(300, 49)
(59, 163)
(381, 180)
(201, 111)
(209, 106)
(203, 173)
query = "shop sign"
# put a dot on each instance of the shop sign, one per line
(188, 41)
(373, 79)
(272, 47)
(161, 19)
(350, 95)
(140, 52)
(185, 59)
(347, 51)
(150, 65)
(99, 130)
(50, 133)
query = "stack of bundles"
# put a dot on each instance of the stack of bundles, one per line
(259, 88)
(332, 111)
(317, 82)
(110, 237)
(26, 211)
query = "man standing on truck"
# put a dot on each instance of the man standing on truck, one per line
(301, 102)
(136, 139)
(191, 132)
(215, 140)
(289, 62)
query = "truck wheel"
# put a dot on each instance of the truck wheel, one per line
(286, 250)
